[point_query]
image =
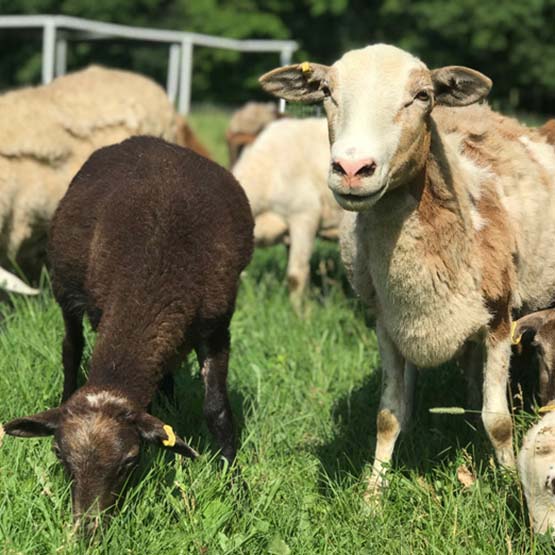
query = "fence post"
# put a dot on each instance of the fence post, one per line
(285, 59)
(172, 83)
(48, 51)
(185, 76)
(61, 56)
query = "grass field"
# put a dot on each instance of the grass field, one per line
(304, 393)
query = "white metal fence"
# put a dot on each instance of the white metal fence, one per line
(58, 30)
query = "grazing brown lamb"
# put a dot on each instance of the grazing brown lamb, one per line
(149, 242)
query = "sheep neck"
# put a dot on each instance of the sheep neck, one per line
(419, 244)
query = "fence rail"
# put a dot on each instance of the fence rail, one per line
(57, 30)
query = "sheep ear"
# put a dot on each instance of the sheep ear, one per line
(297, 83)
(155, 431)
(530, 324)
(459, 86)
(38, 425)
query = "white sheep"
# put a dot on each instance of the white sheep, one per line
(47, 133)
(454, 219)
(284, 173)
(536, 467)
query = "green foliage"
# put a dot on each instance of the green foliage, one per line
(511, 41)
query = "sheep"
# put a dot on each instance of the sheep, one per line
(246, 124)
(284, 173)
(47, 133)
(452, 230)
(149, 241)
(536, 468)
(536, 459)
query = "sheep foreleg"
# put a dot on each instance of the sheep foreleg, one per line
(495, 410)
(392, 410)
(213, 357)
(302, 233)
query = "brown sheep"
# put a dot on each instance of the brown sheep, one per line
(149, 242)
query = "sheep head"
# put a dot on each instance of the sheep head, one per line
(97, 437)
(378, 102)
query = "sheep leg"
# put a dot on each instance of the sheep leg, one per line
(72, 351)
(392, 411)
(410, 379)
(473, 363)
(495, 409)
(213, 357)
(302, 233)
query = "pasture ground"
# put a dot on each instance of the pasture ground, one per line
(304, 393)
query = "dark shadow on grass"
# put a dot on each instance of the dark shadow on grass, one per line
(430, 440)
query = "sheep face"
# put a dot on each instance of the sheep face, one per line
(378, 101)
(536, 466)
(538, 330)
(97, 437)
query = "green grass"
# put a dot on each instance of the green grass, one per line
(304, 393)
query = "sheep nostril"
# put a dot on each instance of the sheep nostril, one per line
(338, 168)
(367, 170)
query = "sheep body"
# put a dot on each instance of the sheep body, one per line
(47, 133)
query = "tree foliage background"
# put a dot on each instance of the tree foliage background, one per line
(512, 41)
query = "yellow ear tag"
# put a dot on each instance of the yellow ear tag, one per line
(547, 408)
(170, 442)
(514, 340)
(305, 67)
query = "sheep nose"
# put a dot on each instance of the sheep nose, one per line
(364, 167)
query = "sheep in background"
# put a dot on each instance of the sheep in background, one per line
(246, 124)
(284, 173)
(149, 241)
(47, 133)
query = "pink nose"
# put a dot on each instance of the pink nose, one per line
(351, 168)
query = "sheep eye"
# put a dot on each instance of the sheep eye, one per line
(424, 96)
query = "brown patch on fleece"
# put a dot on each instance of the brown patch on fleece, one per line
(495, 242)
(440, 214)
(387, 424)
(548, 131)
(186, 137)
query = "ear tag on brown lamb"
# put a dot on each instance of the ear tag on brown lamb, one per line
(546, 408)
(515, 340)
(170, 442)
(306, 67)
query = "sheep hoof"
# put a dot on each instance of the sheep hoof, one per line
(374, 491)
(506, 458)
